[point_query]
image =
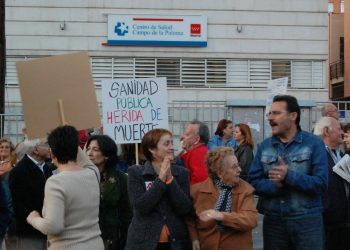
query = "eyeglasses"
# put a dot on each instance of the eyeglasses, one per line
(275, 113)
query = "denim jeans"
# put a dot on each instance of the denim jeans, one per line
(304, 232)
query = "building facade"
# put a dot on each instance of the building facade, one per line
(248, 43)
(339, 50)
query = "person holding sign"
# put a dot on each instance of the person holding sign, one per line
(336, 200)
(115, 211)
(71, 203)
(159, 194)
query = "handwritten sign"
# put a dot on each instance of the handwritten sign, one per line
(132, 107)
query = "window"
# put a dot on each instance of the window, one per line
(123, 68)
(101, 69)
(237, 73)
(216, 72)
(330, 8)
(169, 68)
(259, 73)
(202, 72)
(308, 74)
(341, 48)
(280, 69)
(193, 72)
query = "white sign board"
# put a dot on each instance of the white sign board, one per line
(275, 87)
(132, 107)
(156, 30)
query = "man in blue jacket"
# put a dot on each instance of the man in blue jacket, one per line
(289, 173)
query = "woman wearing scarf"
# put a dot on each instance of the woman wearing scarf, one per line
(225, 211)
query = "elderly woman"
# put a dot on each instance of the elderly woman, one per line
(223, 135)
(8, 160)
(244, 151)
(159, 194)
(115, 211)
(225, 211)
(71, 203)
(7, 157)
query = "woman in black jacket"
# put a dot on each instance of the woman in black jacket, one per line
(115, 211)
(159, 194)
(244, 151)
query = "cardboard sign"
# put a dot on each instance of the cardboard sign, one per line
(57, 90)
(132, 107)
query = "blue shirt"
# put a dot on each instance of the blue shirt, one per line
(306, 180)
(216, 141)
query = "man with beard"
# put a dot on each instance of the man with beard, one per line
(336, 200)
(27, 182)
(289, 173)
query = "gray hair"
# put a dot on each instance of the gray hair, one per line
(325, 108)
(323, 122)
(203, 131)
(26, 147)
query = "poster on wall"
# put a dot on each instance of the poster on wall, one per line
(132, 107)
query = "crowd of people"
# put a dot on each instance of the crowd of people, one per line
(71, 190)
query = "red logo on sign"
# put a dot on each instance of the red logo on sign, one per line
(195, 29)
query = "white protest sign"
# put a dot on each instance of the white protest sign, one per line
(132, 107)
(274, 87)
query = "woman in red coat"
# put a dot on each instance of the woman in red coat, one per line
(225, 212)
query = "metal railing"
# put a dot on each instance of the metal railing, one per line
(336, 69)
(11, 126)
(180, 113)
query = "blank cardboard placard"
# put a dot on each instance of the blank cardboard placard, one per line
(49, 83)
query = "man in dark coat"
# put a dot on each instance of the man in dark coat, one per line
(27, 182)
(336, 199)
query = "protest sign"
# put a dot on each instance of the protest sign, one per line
(274, 87)
(132, 107)
(57, 90)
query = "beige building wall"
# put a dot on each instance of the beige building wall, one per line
(336, 30)
(347, 48)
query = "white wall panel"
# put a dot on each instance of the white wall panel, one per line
(285, 17)
(278, 5)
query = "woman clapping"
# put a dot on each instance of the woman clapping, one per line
(159, 194)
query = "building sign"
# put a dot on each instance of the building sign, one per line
(132, 107)
(153, 30)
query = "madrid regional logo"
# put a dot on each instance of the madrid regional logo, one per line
(121, 29)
